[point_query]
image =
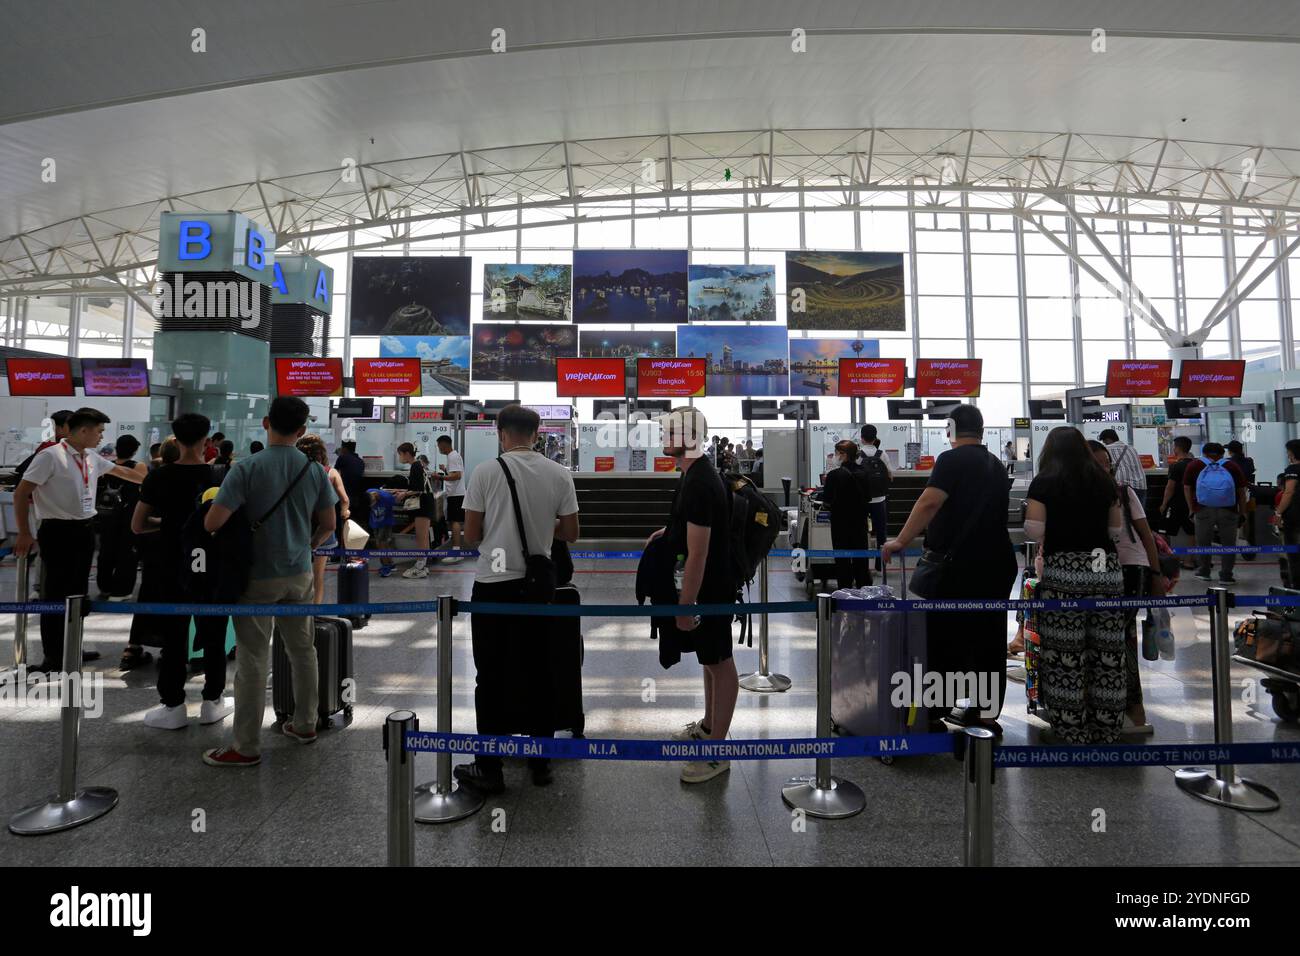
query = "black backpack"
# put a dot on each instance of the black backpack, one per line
(876, 473)
(216, 567)
(755, 523)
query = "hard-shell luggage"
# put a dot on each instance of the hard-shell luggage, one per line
(566, 657)
(878, 663)
(354, 587)
(334, 661)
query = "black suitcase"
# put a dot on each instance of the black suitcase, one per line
(334, 661)
(354, 587)
(566, 657)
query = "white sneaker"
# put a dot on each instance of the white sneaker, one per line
(698, 771)
(691, 731)
(457, 559)
(415, 573)
(163, 717)
(213, 711)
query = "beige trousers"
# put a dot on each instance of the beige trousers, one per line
(252, 659)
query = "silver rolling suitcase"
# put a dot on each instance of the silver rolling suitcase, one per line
(878, 661)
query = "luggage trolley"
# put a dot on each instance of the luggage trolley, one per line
(812, 532)
(1283, 686)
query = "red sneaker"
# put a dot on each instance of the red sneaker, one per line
(308, 738)
(228, 757)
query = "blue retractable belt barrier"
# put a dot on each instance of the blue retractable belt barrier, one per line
(1014, 604)
(424, 607)
(1241, 549)
(31, 607)
(1135, 755)
(581, 555)
(615, 749)
(909, 745)
(635, 610)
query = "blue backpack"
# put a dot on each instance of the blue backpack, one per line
(1215, 487)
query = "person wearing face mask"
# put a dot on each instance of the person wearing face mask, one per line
(963, 512)
(846, 495)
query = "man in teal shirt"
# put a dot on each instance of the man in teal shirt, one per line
(280, 574)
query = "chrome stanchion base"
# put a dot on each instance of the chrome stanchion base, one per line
(765, 683)
(842, 799)
(434, 807)
(88, 803)
(1242, 794)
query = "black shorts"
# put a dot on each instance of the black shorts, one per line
(712, 639)
(455, 509)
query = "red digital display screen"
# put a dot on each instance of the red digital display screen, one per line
(31, 376)
(309, 377)
(1138, 378)
(590, 377)
(949, 378)
(1211, 378)
(670, 377)
(115, 378)
(386, 377)
(872, 377)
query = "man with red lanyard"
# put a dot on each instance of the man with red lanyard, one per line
(63, 481)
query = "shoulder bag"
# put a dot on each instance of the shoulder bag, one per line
(539, 569)
(927, 580)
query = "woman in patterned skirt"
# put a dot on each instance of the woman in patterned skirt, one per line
(1074, 512)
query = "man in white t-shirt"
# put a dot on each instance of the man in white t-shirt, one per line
(452, 476)
(63, 481)
(509, 649)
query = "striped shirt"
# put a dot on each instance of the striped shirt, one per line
(1128, 468)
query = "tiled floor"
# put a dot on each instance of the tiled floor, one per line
(325, 804)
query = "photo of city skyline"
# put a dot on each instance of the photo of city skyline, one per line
(520, 353)
(742, 360)
(815, 363)
(628, 346)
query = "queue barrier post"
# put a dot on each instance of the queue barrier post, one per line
(21, 596)
(822, 795)
(976, 752)
(1222, 785)
(762, 681)
(441, 800)
(70, 806)
(401, 787)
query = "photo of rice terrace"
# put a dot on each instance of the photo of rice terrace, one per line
(847, 291)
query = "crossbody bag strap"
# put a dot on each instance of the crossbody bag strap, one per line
(279, 501)
(514, 498)
(973, 519)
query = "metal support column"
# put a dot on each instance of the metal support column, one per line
(762, 681)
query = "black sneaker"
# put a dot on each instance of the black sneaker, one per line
(87, 656)
(472, 775)
(541, 771)
(1228, 580)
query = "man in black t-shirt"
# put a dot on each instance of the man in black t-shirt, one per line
(1288, 511)
(963, 511)
(170, 495)
(699, 527)
(1176, 520)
